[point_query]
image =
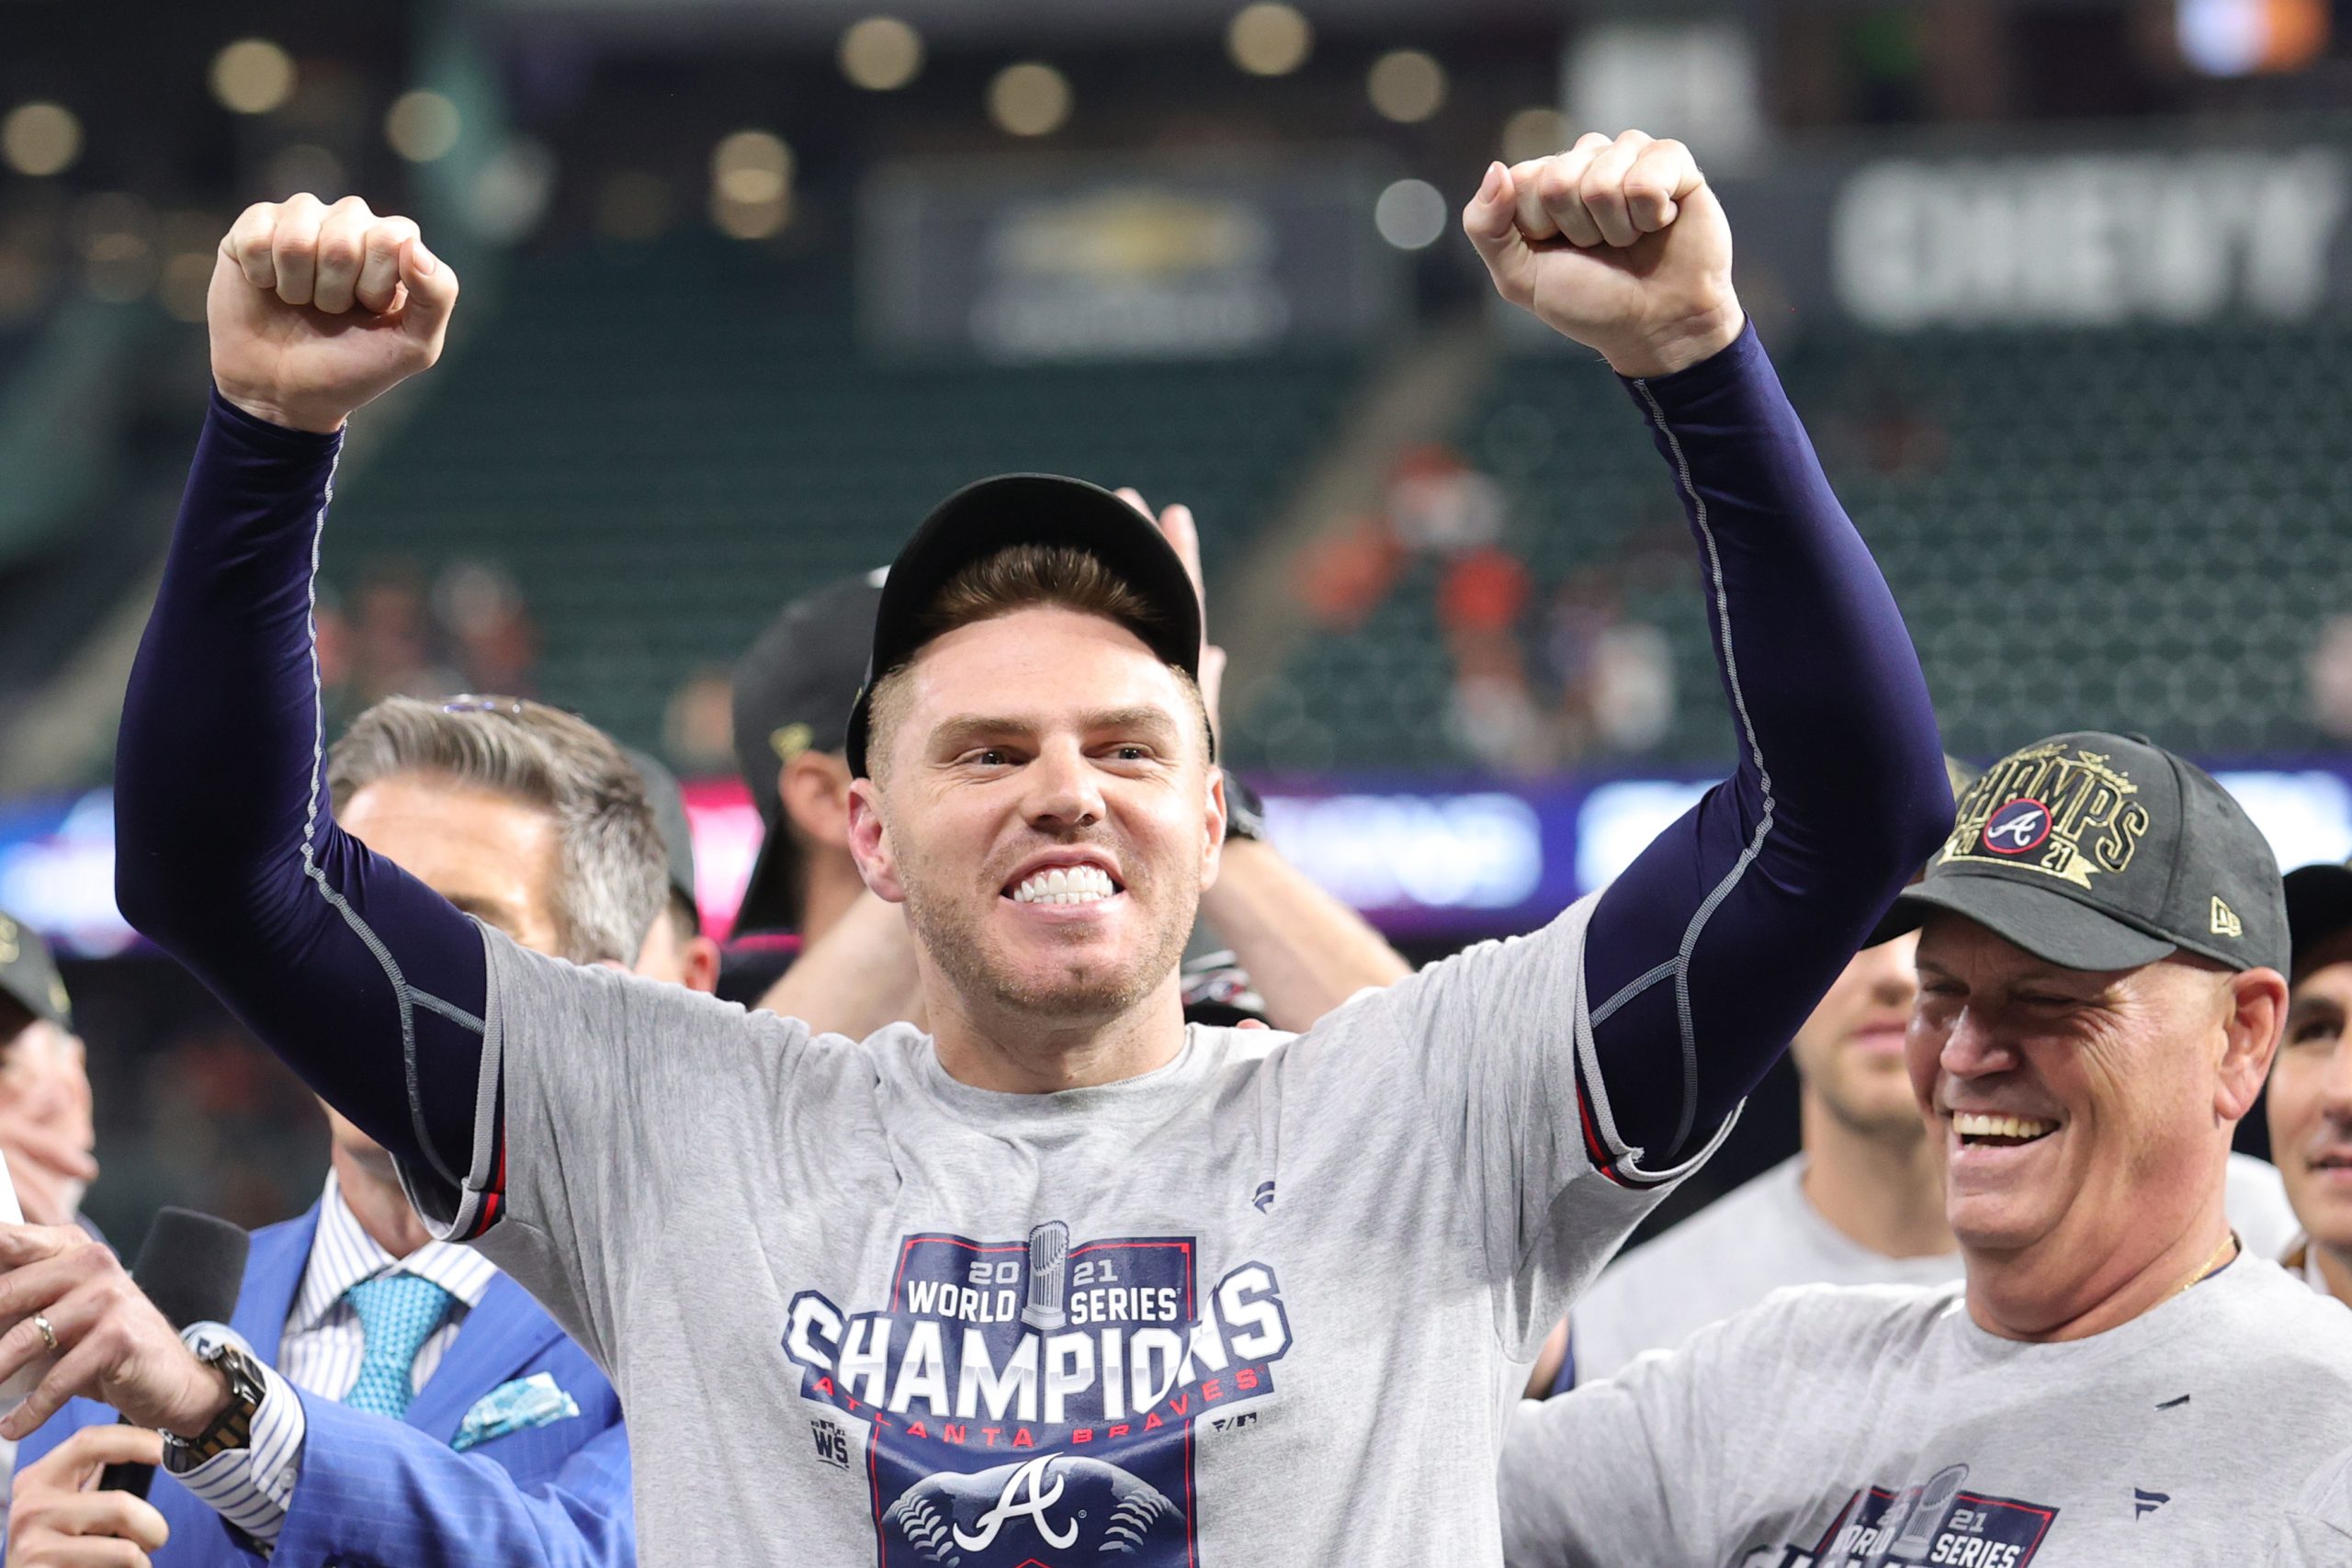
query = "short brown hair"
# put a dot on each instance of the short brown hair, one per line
(1014, 578)
(613, 873)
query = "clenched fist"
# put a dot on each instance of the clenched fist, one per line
(1618, 244)
(315, 310)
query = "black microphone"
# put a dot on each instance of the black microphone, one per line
(192, 1267)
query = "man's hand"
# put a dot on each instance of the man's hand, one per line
(56, 1519)
(1177, 524)
(112, 1345)
(317, 310)
(1620, 245)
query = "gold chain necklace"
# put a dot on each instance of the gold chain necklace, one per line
(2212, 1265)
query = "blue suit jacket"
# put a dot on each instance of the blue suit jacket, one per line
(377, 1491)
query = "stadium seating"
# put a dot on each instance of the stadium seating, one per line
(665, 444)
(2138, 530)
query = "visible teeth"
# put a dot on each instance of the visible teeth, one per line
(1065, 885)
(1974, 1124)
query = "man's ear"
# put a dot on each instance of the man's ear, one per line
(814, 789)
(1212, 851)
(869, 842)
(2255, 1017)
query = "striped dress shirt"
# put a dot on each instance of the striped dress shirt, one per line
(319, 1351)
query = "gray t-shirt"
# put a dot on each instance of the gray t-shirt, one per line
(1765, 1235)
(2316, 1531)
(1268, 1304)
(1760, 1237)
(1878, 1424)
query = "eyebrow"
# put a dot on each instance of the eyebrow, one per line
(489, 911)
(964, 729)
(2304, 1008)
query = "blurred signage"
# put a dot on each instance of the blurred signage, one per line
(1022, 260)
(2079, 237)
(1421, 859)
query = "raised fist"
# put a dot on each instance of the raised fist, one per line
(1618, 244)
(315, 310)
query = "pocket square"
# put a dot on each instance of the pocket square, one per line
(516, 1406)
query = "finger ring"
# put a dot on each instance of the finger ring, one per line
(48, 1334)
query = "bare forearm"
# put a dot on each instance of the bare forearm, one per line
(856, 978)
(1304, 951)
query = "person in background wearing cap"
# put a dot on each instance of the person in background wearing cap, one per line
(2100, 955)
(797, 687)
(46, 1132)
(380, 1396)
(2308, 1103)
(1063, 1277)
(674, 950)
(1861, 1203)
(2308, 1106)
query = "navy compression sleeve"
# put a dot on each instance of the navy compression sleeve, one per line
(367, 982)
(1707, 954)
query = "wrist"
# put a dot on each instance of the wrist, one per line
(209, 1399)
(285, 416)
(1688, 341)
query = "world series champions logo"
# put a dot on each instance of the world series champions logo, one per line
(1031, 1403)
(1937, 1523)
(2056, 810)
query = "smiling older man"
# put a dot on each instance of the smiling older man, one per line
(2101, 994)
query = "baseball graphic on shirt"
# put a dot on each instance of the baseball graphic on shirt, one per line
(1049, 1509)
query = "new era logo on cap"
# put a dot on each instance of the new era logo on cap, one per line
(2226, 919)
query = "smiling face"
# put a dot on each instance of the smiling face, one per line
(2084, 1117)
(1044, 806)
(1849, 1053)
(2310, 1105)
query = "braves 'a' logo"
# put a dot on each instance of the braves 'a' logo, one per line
(1031, 1403)
(1024, 1495)
(2018, 828)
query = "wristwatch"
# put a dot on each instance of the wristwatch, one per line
(232, 1428)
(1245, 814)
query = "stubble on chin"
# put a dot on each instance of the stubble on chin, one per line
(957, 945)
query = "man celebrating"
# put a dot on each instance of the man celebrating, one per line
(2101, 994)
(1063, 1277)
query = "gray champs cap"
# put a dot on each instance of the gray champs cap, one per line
(2106, 851)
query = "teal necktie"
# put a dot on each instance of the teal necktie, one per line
(397, 1313)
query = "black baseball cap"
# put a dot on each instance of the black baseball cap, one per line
(28, 973)
(793, 693)
(2319, 904)
(669, 803)
(1029, 509)
(2106, 852)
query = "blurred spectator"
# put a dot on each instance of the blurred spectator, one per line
(698, 727)
(1616, 675)
(1439, 503)
(391, 638)
(1480, 602)
(1343, 576)
(491, 633)
(2330, 677)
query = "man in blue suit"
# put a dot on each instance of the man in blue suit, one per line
(378, 1397)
